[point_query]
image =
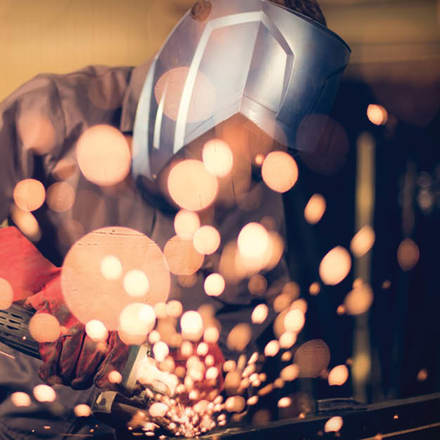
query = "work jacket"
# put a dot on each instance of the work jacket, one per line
(40, 124)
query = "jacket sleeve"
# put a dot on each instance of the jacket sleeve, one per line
(31, 129)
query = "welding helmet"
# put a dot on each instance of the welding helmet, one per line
(226, 57)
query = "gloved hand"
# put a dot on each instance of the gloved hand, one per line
(74, 359)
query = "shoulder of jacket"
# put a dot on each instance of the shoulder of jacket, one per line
(50, 82)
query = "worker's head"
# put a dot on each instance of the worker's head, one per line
(310, 8)
(266, 64)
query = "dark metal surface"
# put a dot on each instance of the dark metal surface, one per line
(413, 418)
(14, 331)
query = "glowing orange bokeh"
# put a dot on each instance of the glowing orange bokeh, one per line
(314, 288)
(111, 267)
(44, 327)
(160, 351)
(6, 294)
(90, 295)
(191, 325)
(287, 339)
(186, 224)
(359, 300)
(408, 254)
(135, 322)
(82, 410)
(294, 320)
(96, 330)
(362, 241)
(103, 155)
(235, 404)
(44, 393)
(136, 283)
(214, 284)
(158, 409)
(312, 358)
(218, 157)
(377, 114)
(289, 373)
(206, 240)
(253, 241)
(315, 209)
(27, 223)
(279, 171)
(60, 197)
(338, 375)
(115, 377)
(335, 266)
(239, 337)
(172, 82)
(211, 335)
(259, 314)
(191, 186)
(284, 402)
(20, 399)
(29, 194)
(272, 348)
(182, 257)
(334, 424)
(174, 308)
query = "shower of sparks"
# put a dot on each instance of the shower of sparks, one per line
(181, 379)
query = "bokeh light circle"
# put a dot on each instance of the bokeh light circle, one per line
(89, 295)
(60, 196)
(191, 324)
(44, 327)
(214, 284)
(20, 399)
(169, 89)
(253, 240)
(279, 171)
(335, 266)
(135, 322)
(6, 294)
(312, 358)
(218, 157)
(111, 267)
(44, 393)
(96, 330)
(186, 224)
(191, 186)
(103, 155)
(136, 283)
(29, 194)
(206, 240)
(182, 257)
(315, 209)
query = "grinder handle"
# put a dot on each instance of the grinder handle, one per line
(14, 330)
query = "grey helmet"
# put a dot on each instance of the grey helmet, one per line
(224, 57)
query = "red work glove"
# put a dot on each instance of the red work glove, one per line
(22, 265)
(74, 358)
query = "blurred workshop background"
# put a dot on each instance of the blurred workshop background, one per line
(377, 168)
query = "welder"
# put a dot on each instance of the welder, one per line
(247, 72)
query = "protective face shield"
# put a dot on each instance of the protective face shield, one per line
(225, 57)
